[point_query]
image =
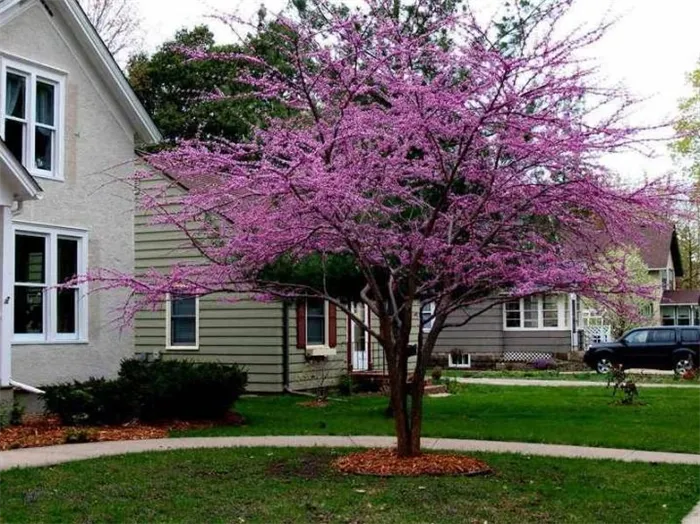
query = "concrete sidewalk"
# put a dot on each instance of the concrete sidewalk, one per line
(48, 456)
(559, 383)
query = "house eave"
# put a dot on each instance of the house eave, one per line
(27, 187)
(103, 60)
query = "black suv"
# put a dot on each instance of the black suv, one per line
(676, 348)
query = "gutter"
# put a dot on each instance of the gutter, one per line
(285, 345)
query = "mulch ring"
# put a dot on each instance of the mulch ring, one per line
(37, 431)
(387, 463)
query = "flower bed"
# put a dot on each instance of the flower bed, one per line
(48, 431)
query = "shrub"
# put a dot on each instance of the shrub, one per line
(149, 391)
(175, 389)
(436, 374)
(95, 401)
(16, 413)
(543, 364)
(690, 374)
(345, 385)
(618, 377)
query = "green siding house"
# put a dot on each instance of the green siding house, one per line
(282, 346)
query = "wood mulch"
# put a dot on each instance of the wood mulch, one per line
(387, 463)
(36, 431)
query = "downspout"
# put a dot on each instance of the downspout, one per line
(285, 345)
(25, 387)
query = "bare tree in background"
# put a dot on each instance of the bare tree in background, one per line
(117, 22)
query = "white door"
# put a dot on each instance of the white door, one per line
(359, 339)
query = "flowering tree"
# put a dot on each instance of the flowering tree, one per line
(434, 163)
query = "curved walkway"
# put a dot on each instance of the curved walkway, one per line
(560, 383)
(48, 456)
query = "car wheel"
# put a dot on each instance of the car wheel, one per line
(604, 365)
(682, 364)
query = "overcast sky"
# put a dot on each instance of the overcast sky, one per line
(650, 50)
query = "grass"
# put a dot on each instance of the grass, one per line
(589, 376)
(669, 420)
(297, 486)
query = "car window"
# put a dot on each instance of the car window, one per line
(637, 337)
(662, 336)
(690, 335)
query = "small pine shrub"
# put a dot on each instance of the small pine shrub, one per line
(345, 385)
(436, 374)
(16, 413)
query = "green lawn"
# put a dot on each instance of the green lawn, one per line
(589, 376)
(669, 420)
(297, 486)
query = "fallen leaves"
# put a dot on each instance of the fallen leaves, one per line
(387, 463)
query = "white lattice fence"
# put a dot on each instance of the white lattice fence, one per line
(597, 334)
(525, 356)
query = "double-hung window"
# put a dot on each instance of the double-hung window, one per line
(182, 330)
(48, 306)
(31, 116)
(549, 312)
(316, 322)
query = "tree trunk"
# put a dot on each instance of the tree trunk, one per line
(407, 415)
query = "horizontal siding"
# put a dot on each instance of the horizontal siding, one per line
(483, 334)
(305, 374)
(244, 332)
(535, 341)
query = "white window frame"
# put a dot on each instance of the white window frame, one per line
(168, 325)
(430, 307)
(451, 364)
(50, 334)
(563, 323)
(34, 72)
(326, 322)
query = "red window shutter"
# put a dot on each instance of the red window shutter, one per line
(332, 326)
(301, 325)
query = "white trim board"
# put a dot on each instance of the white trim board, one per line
(99, 56)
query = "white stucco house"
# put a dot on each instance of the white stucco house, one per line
(69, 128)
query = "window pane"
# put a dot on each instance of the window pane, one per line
(638, 337)
(16, 96)
(662, 335)
(45, 103)
(690, 335)
(669, 315)
(183, 331)
(66, 302)
(43, 148)
(67, 259)
(315, 322)
(14, 138)
(29, 310)
(184, 307)
(513, 314)
(30, 259)
(683, 315)
(315, 332)
(550, 311)
(315, 308)
(183, 321)
(530, 312)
